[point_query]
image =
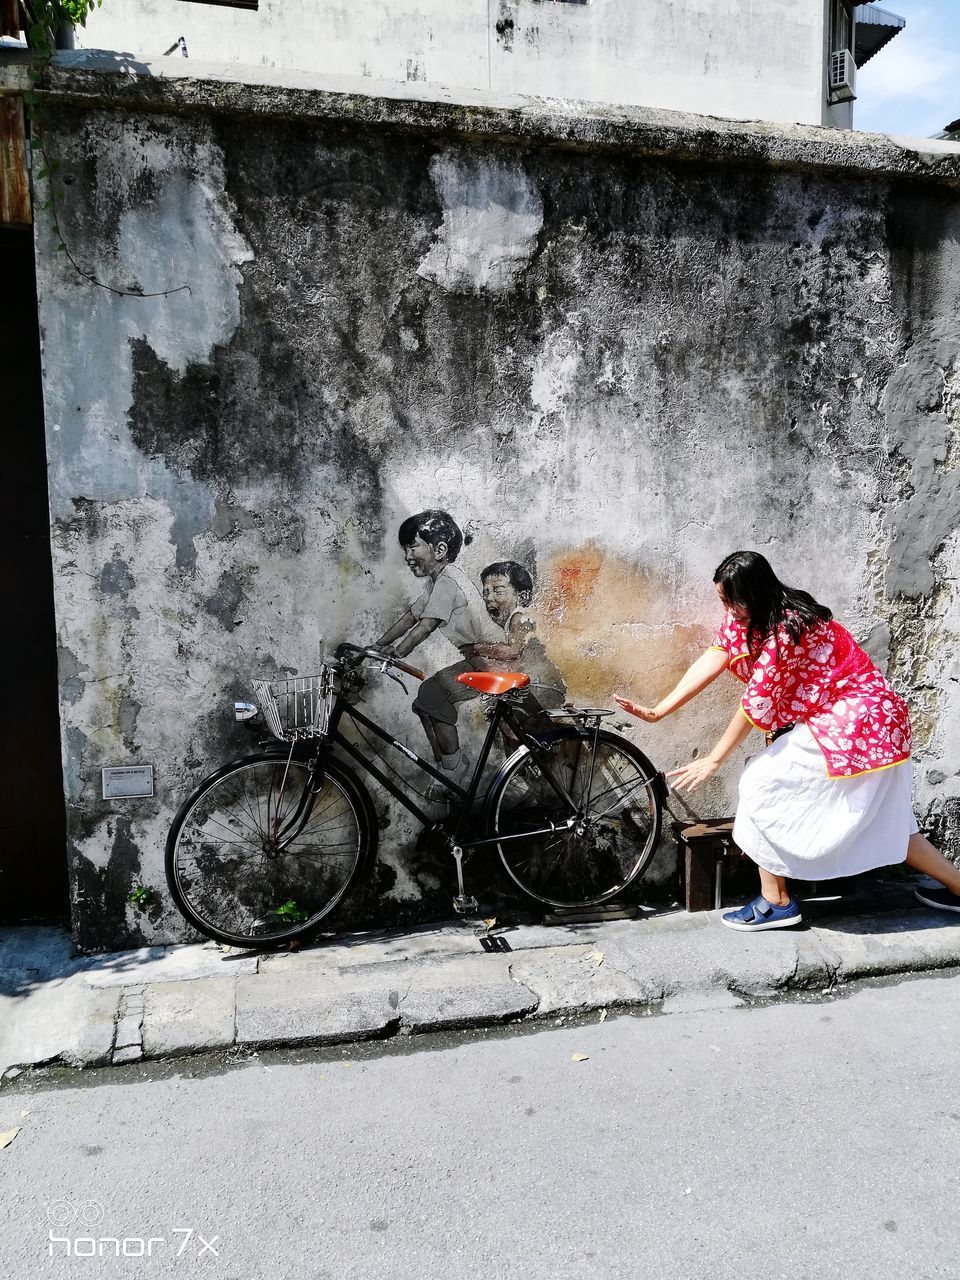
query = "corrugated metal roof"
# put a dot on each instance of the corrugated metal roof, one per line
(875, 28)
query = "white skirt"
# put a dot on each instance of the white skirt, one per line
(795, 821)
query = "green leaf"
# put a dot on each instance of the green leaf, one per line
(42, 173)
(290, 911)
(61, 248)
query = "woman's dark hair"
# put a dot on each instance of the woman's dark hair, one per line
(748, 582)
(517, 575)
(432, 527)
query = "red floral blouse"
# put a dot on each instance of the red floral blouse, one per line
(827, 681)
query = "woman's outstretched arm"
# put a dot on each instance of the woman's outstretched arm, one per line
(690, 776)
(694, 680)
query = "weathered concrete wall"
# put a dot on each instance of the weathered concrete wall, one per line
(752, 59)
(615, 361)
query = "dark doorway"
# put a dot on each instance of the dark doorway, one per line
(33, 859)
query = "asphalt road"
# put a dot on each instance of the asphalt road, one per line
(796, 1140)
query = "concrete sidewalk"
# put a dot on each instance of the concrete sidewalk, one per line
(168, 1001)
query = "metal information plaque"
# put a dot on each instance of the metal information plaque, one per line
(127, 782)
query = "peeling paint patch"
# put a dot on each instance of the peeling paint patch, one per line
(68, 674)
(225, 604)
(127, 713)
(116, 578)
(492, 215)
(554, 372)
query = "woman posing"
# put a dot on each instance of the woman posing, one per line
(831, 797)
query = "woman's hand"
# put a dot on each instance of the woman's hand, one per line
(634, 709)
(691, 775)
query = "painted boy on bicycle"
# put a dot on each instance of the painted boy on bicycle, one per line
(451, 603)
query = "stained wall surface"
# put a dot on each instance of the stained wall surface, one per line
(610, 365)
(752, 59)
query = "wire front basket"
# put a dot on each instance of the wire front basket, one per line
(299, 707)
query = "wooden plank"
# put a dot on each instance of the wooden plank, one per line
(14, 180)
(9, 18)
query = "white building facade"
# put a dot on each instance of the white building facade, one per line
(746, 59)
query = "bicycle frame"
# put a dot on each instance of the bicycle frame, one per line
(503, 713)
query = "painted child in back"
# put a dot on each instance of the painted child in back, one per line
(451, 603)
(507, 594)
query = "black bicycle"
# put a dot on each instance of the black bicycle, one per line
(270, 845)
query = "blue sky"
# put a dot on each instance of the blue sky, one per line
(913, 85)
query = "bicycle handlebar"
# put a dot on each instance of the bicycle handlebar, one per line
(377, 656)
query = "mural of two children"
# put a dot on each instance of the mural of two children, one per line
(493, 628)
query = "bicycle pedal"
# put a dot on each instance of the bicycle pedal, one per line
(465, 906)
(495, 944)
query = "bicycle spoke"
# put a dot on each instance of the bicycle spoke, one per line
(218, 823)
(259, 818)
(639, 781)
(619, 801)
(315, 827)
(242, 844)
(254, 818)
(325, 853)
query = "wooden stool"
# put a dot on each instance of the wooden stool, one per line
(702, 849)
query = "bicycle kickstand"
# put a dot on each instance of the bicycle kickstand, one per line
(462, 904)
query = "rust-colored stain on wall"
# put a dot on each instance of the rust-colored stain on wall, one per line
(605, 622)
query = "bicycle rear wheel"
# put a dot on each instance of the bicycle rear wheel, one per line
(255, 858)
(602, 844)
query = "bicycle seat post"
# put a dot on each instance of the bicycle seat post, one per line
(462, 904)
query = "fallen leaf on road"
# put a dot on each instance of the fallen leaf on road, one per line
(603, 1015)
(579, 1057)
(8, 1136)
(491, 922)
(597, 958)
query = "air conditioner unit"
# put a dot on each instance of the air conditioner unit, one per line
(843, 76)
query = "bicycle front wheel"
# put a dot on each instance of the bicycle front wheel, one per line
(601, 842)
(257, 856)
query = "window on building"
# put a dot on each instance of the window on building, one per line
(841, 25)
(841, 67)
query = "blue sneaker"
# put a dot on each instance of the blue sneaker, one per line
(761, 914)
